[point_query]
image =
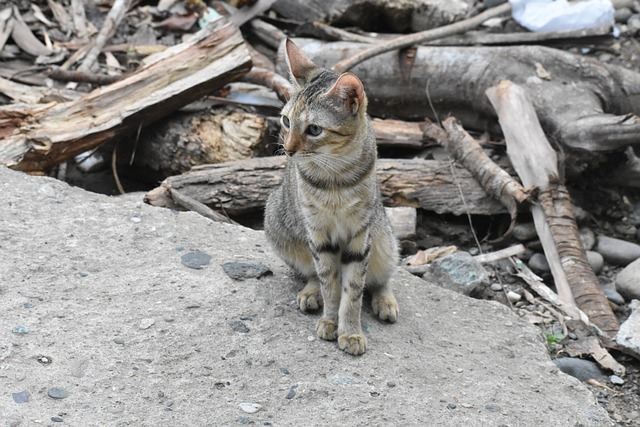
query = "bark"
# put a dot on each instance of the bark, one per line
(179, 75)
(243, 186)
(585, 104)
(536, 164)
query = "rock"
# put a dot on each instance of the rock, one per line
(147, 323)
(634, 23)
(612, 295)
(616, 380)
(496, 287)
(195, 259)
(241, 270)
(581, 369)
(57, 419)
(458, 272)
(622, 15)
(513, 296)
(492, 407)
(403, 221)
(239, 326)
(20, 397)
(617, 251)
(628, 337)
(538, 263)
(628, 281)
(20, 330)
(57, 393)
(587, 238)
(596, 261)
(292, 392)
(118, 341)
(250, 408)
(525, 232)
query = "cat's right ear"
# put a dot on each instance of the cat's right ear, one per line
(300, 66)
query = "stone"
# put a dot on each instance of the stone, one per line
(292, 392)
(57, 419)
(617, 251)
(20, 330)
(596, 261)
(587, 238)
(239, 326)
(525, 231)
(628, 281)
(581, 369)
(538, 263)
(458, 272)
(242, 270)
(616, 380)
(496, 287)
(20, 397)
(57, 393)
(622, 15)
(492, 407)
(628, 337)
(513, 296)
(146, 323)
(249, 408)
(612, 295)
(195, 259)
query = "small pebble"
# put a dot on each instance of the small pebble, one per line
(136, 218)
(513, 296)
(57, 420)
(249, 408)
(168, 318)
(147, 323)
(451, 405)
(20, 330)
(292, 392)
(525, 232)
(616, 380)
(27, 305)
(57, 393)
(118, 341)
(241, 270)
(538, 263)
(496, 287)
(284, 371)
(391, 384)
(238, 326)
(492, 407)
(20, 397)
(195, 260)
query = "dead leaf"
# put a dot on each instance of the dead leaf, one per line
(428, 255)
(178, 22)
(24, 38)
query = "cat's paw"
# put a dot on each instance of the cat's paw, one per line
(385, 307)
(353, 344)
(309, 299)
(327, 329)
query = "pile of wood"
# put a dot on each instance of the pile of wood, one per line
(201, 114)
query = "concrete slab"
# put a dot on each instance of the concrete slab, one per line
(137, 339)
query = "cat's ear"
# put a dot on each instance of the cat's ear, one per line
(300, 66)
(349, 92)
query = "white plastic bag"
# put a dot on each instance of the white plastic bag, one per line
(557, 15)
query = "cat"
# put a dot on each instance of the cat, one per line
(326, 220)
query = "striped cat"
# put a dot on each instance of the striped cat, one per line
(326, 220)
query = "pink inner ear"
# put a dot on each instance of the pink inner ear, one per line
(349, 88)
(299, 64)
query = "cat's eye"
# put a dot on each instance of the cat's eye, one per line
(285, 121)
(313, 130)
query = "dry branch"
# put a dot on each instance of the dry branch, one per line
(243, 186)
(536, 164)
(586, 104)
(176, 77)
(495, 180)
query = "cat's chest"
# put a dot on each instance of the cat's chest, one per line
(339, 213)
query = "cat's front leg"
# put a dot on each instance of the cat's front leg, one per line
(327, 261)
(354, 266)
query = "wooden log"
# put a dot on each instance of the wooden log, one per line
(174, 78)
(243, 186)
(188, 139)
(536, 163)
(585, 104)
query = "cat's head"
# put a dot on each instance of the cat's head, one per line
(325, 111)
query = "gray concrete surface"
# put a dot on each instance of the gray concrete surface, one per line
(138, 339)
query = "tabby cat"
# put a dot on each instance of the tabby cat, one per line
(326, 220)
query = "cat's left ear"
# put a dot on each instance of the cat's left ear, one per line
(349, 91)
(300, 66)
